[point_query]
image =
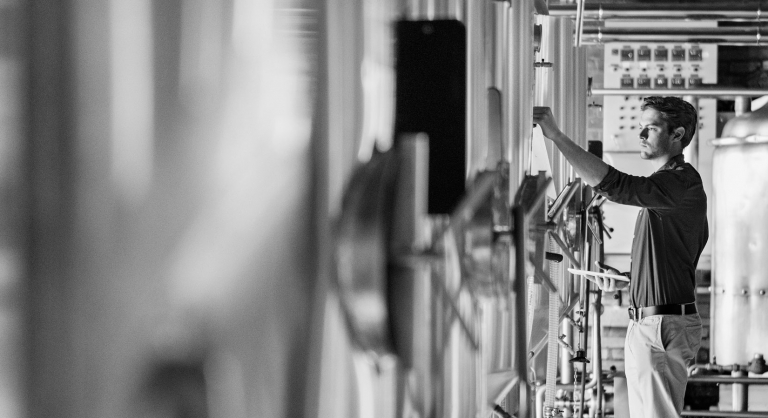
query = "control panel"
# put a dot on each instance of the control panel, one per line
(654, 67)
(659, 66)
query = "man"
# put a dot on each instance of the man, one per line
(664, 332)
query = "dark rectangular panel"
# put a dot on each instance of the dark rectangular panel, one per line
(431, 98)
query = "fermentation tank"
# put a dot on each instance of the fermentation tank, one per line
(740, 235)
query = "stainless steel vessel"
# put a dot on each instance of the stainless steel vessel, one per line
(740, 263)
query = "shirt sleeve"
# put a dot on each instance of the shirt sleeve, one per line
(662, 190)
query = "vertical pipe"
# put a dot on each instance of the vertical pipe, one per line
(519, 73)
(740, 392)
(49, 170)
(584, 303)
(520, 303)
(691, 152)
(566, 367)
(597, 360)
(477, 87)
(742, 105)
(579, 21)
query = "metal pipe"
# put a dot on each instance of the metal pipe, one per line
(740, 393)
(720, 36)
(724, 414)
(742, 105)
(729, 379)
(733, 12)
(703, 92)
(716, 367)
(521, 304)
(579, 20)
(692, 150)
(597, 359)
(584, 302)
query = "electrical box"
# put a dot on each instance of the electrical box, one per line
(651, 60)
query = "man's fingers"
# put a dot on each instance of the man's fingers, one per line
(596, 280)
(606, 284)
(593, 279)
(607, 268)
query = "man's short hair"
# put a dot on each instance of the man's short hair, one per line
(675, 112)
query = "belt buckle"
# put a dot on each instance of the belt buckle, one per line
(635, 314)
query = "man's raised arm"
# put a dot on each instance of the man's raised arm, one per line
(589, 167)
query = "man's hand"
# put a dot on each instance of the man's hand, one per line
(607, 284)
(544, 118)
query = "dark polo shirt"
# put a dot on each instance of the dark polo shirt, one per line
(670, 232)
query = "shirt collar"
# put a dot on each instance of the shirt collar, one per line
(673, 163)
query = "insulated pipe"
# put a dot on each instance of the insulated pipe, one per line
(733, 12)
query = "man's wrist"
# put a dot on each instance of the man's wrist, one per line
(559, 137)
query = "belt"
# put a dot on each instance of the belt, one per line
(637, 314)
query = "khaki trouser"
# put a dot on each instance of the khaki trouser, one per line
(657, 352)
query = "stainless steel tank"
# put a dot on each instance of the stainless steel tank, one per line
(740, 263)
(561, 87)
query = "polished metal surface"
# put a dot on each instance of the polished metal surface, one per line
(740, 236)
(753, 139)
(749, 124)
(432, 9)
(554, 85)
(720, 36)
(478, 135)
(741, 11)
(563, 87)
(362, 255)
(518, 87)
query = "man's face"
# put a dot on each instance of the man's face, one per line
(655, 139)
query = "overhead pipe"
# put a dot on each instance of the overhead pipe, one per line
(728, 379)
(702, 92)
(722, 36)
(724, 414)
(730, 12)
(580, 4)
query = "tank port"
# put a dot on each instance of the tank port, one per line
(757, 365)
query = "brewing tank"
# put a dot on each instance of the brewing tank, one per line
(740, 242)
